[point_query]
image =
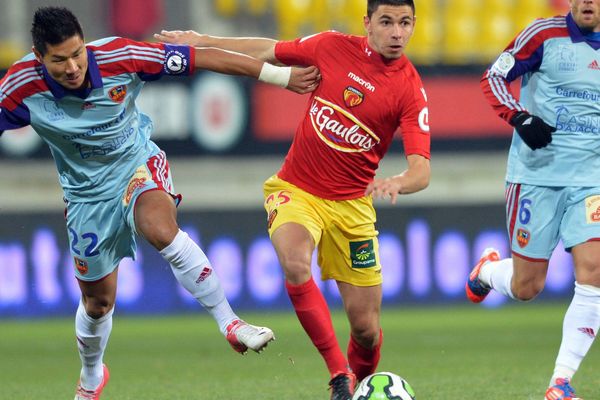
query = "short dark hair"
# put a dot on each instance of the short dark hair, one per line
(53, 25)
(373, 5)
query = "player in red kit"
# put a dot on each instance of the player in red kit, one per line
(322, 196)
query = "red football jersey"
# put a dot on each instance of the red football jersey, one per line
(351, 119)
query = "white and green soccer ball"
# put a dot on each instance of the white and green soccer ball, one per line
(384, 386)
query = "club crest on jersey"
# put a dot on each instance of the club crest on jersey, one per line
(339, 128)
(353, 97)
(118, 93)
(523, 237)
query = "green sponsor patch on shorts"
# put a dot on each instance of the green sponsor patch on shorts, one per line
(362, 254)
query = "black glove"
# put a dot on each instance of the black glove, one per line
(533, 130)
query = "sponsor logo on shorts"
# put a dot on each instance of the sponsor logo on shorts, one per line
(523, 237)
(273, 201)
(271, 218)
(118, 93)
(81, 265)
(204, 274)
(592, 209)
(137, 181)
(353, 97)
(362, 254)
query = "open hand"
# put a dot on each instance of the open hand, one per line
(190, 38)
(304, 79)
(384, 188)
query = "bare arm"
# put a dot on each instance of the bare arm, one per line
(299, 80)
(261, 48)
(413, 179)
(227, 62)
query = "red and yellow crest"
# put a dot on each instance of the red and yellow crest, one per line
(118, 93)
(81, 265)
(353, 97)
(523, 237)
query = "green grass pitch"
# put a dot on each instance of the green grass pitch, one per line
(445, 353)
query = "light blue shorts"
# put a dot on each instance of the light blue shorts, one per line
(537, 217)
(102, 233)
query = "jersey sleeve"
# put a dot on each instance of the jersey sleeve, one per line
(302, 51)
(150, 61)
(15, 119)
(14, 114)
(414, 119)
(523, 55)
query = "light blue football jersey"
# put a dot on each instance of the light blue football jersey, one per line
(560, 71)
(97, 136)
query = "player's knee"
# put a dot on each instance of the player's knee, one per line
(527, 292)
(158, 235)
(296, 271)
(367, 335)
(97, 308)
(588, 270)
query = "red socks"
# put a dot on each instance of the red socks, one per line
(364, 361)
(313, 314)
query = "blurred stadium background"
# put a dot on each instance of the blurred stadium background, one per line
(225, 136)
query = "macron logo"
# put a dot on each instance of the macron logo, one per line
(594, 65)
(361, 81)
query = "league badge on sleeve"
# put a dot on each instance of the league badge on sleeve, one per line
(176, 62)
(503, 64)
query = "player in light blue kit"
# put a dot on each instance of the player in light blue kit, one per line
(81, 100)
(553, 177)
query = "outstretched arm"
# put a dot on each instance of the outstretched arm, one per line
(261, 48)
(413, 179)
(299, 80)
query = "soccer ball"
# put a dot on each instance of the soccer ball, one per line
(384, 386)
